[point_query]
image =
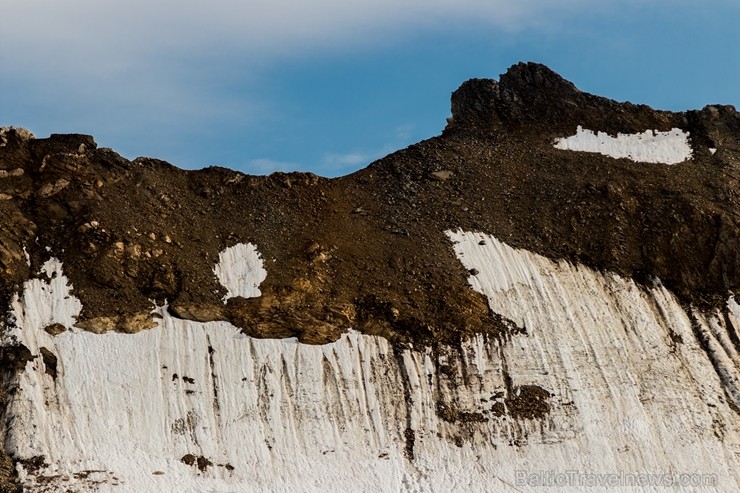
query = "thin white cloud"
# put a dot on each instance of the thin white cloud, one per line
(265, 166)
(153, 66)
(405, 131)
(336, 164)
(332, 160)
(330, 165)
(86, 34)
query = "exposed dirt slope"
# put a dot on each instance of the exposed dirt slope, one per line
(368, 250)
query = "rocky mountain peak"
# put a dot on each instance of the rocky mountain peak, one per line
(532, 97)
(523, 89)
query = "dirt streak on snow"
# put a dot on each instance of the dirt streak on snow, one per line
(632, 391)
(671, 147)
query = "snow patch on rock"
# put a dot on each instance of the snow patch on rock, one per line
(48, 301)
(650, 146)
(733, 306)
(241, 271)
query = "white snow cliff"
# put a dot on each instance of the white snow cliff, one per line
(643, 394)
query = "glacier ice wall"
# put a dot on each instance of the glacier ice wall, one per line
(626, 381)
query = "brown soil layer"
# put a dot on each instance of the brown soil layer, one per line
(368, 250)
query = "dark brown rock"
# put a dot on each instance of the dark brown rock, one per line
(368, 250)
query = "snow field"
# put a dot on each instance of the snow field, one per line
(276, 415)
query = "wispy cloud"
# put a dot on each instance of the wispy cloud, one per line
(332, 160)
(331, 164)
(405, 131)
(123, 36)
(265, 166)
(164, 68)
(336, 164)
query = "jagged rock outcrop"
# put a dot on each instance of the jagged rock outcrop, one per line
(371, 250)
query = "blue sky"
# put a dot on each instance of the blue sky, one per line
(330, 85)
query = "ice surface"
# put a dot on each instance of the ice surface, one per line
(633, 391)
(669, 147)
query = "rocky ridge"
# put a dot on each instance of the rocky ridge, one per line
(369, 250)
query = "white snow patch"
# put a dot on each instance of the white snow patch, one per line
(44, 303)
(669, 147)
(241, 271)
(734, 311)
(626, 398)
(712, 150)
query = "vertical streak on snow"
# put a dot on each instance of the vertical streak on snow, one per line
(625, 369)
